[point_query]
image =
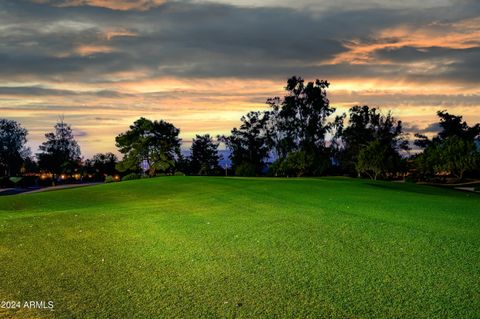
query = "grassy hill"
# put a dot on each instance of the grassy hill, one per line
(245, 248)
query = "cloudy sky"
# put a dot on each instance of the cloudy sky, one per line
(202, 64)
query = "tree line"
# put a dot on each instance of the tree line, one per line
(298, 135)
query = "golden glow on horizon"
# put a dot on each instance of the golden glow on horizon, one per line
(100, 108)
(197, 107)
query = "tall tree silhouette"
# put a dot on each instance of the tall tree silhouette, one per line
(366, 125)
(60, 153)
(453, 125)
(250, 143)
(301, 117)
(12, 147)
(301, 123)
(204, 156)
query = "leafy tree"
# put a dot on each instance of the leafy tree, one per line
(60, 153)
(453, 125)
(102, 165)
(453, 155)
(204, 156)
(154, 142)
(250, 143)
(366, 125)
(29, 165)
(425, 164)
(296, 164)
(452, 150)
(105, 163)
(12, 147)
(300, 124)
(301, 117)
(372, 159)
(422, 141)
(459, 155)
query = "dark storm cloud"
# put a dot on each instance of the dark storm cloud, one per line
(33, 91)
(40, 91)
(396, 99)
(412, 54)
(455, 64)
(173, 39)
(215, 40)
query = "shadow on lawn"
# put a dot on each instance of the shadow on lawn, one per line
(412, 188)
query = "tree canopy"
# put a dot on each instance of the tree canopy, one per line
(365, 126)
(451, 151)
(250, 143)
(300, 118)
(102, 165)
(154, 142)
(60, 153)
(299, 124)
(204, 156)
(12, 147)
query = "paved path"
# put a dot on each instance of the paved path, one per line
(14, 191)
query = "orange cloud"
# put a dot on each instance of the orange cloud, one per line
(115, 4)
(461, 35)
(86, 49)
(110, 34)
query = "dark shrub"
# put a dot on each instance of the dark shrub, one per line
(245, 169)
(109, 179)
(5, 182)
(130, 177)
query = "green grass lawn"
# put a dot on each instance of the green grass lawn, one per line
(198, 247)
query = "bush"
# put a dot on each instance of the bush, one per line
(109, 179)
(274, 169)
(130, 177)
(298, 164)
(179, 174)
(245, 169)
(410, 179)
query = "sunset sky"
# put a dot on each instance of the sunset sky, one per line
(201, 65)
